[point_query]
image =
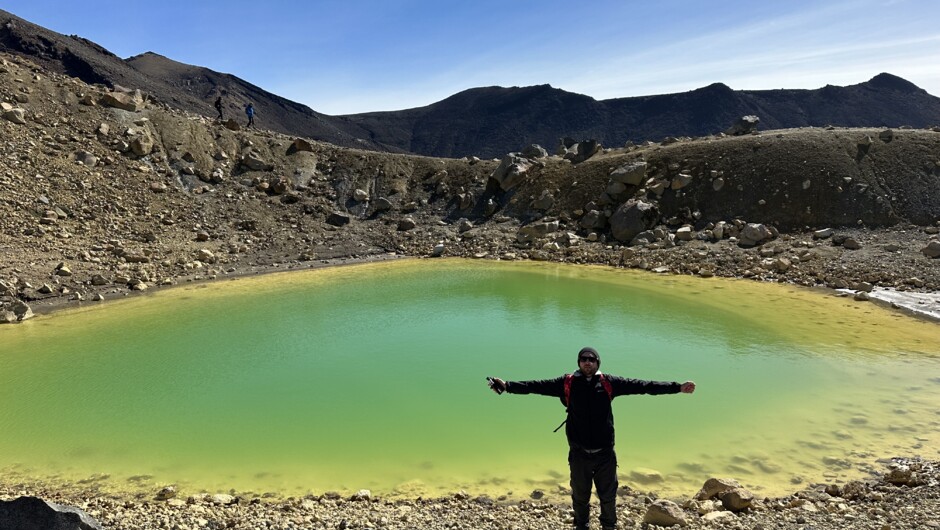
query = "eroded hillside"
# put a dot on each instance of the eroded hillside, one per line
(106, 192)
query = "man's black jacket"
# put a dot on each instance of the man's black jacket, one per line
(590, 416)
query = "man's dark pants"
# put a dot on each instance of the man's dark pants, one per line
(599, 468)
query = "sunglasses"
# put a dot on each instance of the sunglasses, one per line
(588, 359)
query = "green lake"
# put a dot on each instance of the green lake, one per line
(373, 376)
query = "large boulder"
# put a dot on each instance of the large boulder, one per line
(298, 145)
(338, 219)
(16, 115)
(511, 171)
(714, 486)
(382, 205)
(534, 231)
(582, 151)
(534, 151)
(633, 173)
(744, 125)
(593, 220)
(754, 234)
(142, 144)
(932, 250)
(33, 513)
(564, 144)
(631, 218)
(255, 163)
(132, 102)
(21, 310)
(737, 499)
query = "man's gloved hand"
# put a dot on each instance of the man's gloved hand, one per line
(496, 384)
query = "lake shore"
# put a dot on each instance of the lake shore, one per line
(869, 274)
(906, 496)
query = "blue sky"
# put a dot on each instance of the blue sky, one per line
(348, 56)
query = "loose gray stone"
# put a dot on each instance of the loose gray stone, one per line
(754, 233)
(664, 513)
(534, 151)
(714, 486)
(300, 144)
(166, 493)
(851, 243)
(540, 229)
(338, 219)
(131, 102)
(33, 513)
(142, 145)
(593, 219)
(631, 218)
(545, 201)
(932, 250)
(633, 173)
(255, 163)
(582, 151)
(681, 180)
(737, 499)
(381, 205)
(744, 125)
(685, 233)
(17, 116)
(223, 499)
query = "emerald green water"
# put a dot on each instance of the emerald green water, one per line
(372, 377)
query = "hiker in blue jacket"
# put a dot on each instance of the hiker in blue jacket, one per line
(250, 112)
(587, 394)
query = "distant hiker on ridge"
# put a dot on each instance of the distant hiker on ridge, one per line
(250, 112)
(587, 394)
(218, 107)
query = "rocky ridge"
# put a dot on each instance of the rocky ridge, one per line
(105, 193)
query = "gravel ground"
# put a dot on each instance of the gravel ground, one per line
(906, 496)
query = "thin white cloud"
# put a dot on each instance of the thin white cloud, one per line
(772, 54)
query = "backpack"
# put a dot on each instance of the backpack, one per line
(567, 397)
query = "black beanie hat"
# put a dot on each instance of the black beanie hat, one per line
(592, 351)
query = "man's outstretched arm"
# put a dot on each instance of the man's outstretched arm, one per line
(545, 387)
(624, 386)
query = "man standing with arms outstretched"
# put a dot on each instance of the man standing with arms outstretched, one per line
(587, 394)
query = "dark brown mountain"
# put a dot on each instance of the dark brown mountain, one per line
(203, 85)
(486, 122)
(178, 85)
(491, 121)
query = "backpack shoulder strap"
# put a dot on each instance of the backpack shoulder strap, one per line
(607, 386)
(568, 379)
